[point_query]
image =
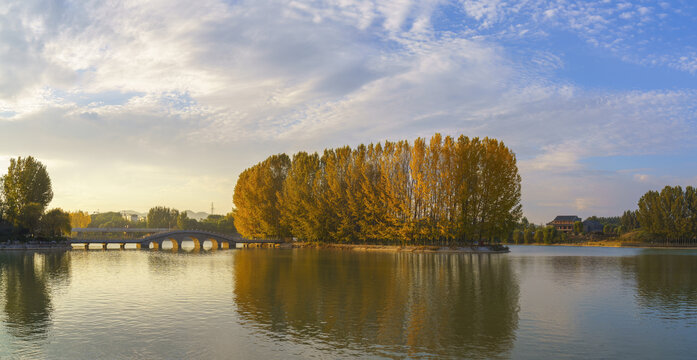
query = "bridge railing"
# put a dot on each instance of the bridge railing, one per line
(145, 231)
(194, 232)
(126, 230)
(112, 234)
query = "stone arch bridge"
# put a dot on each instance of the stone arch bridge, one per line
(155, 238)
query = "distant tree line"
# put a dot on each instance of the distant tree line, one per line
(670, 214)
(629, 221)
(443, 191)
(609, 220)
(528, 233)
(158, 217)
(611, 225)
(667, 216)
(25, 192)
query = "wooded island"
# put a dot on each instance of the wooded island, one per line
(444, 191)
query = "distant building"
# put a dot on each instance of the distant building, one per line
(132, 217)
(564, 223)
(592, 226)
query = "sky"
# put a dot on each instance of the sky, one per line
(133, 104)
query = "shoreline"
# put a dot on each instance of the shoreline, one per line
(33, 246)
(617, 244)
(399, 248)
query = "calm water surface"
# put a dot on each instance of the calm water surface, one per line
(553, 302)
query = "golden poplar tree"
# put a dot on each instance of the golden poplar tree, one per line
(79, 219)
(257, 212)
(448, 191)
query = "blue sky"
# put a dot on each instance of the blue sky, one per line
(133, 104)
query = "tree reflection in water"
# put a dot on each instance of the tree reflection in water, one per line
(25, 278)
(666, 283)
(385, 303)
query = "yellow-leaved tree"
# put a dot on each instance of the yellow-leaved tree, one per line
(442, 192)
(80, 219)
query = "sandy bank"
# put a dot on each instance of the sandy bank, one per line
(619, 244)
(397, 248)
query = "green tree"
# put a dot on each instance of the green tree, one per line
(611, 220)
(539, 235)
(629, 220)
(527, 236)
(524, 223)
(650, 213)
(517, 237)
(29, 217)
(111, 219)
(549, 234)
(226, 224)
(670, 214)
(186, 223)
(608, 229)
(578, 227)
(55, 223)
(162, 217)
(26, 191)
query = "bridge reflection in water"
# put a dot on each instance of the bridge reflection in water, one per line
(156, 238)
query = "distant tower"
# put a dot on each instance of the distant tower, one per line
(212, 209)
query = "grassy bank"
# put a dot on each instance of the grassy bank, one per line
(636, 239)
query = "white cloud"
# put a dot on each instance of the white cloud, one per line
(583, 203)
(485, 11)
(626, 15)
(619, 27)
(643, 10)
(642, 177)
(164, 100)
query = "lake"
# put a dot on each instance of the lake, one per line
(552, 302)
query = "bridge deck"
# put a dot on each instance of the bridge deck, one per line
(139, 241)
(158, 236)
(119, 230)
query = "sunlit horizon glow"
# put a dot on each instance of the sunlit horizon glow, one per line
(136, 104)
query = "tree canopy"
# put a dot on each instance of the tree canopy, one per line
(670, 213)
(629, 220)
(158, 217)
(26, 191)
(162, 217)
(55, 223)
(257, 200)
(445, 190)
(80, 219)
(111, 219)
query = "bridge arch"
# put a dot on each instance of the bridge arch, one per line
(175, 244)
(215, 244)
(218, 241)
(198, 244)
